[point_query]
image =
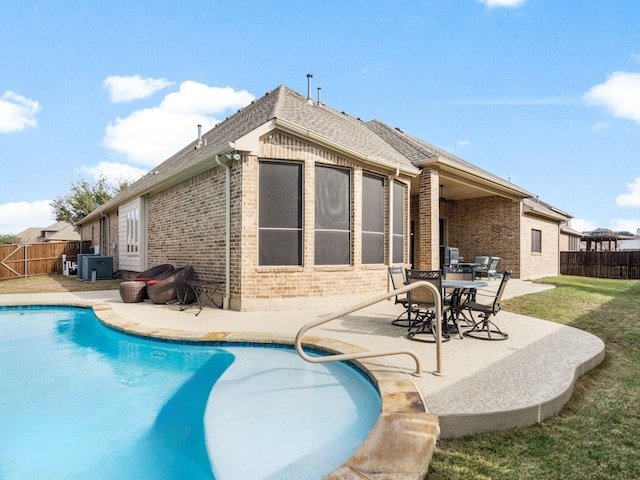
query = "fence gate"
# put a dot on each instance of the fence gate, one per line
(37, 258)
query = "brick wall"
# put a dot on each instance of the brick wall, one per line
(185, 225)
(485, 226)
(547, 262)
(426, 222)
(264, 286)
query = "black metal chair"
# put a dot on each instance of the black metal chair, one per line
(485, 329)
(457, 298)
(421, 308)
(398, 280)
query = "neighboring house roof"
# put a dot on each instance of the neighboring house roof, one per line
(59, 231)
(30, 235)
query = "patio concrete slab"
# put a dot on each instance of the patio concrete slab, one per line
(483, 385)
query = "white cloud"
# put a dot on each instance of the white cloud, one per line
(598, 127)
(127, 89)
(464, 143)
(113, 172)
(18, 216)
(149, 136)
(502, 3)
(620, 94)
(17, 112)
(625, 225)
(583, 225)
(631, 199)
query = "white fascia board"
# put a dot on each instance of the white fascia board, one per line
(250, 142)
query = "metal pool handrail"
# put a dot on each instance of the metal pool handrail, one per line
(367, 303)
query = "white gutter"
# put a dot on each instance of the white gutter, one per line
(224, 162)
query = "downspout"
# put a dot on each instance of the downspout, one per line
(224, 162)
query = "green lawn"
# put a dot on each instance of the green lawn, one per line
(597, 434)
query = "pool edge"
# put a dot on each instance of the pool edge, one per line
(400, 444)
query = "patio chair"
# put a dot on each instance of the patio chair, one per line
(482, 266)
(422, 305)
(491, 269)
(149, 275)
(485, 329)
(153, 272)
(165, 288)
(458, 297)
(396, 274)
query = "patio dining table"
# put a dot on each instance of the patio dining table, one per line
(461, 289)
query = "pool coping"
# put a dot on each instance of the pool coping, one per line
(400, 444)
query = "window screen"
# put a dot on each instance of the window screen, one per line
(372, 218)
(333, 216)
(280, 214)
(398, 223)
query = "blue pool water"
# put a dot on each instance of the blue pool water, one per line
(81, 401)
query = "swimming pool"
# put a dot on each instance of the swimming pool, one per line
(80, 400)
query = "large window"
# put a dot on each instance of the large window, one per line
(280, 214)
(398, 223)
(372, 218)
(333, 216)
(536, 241)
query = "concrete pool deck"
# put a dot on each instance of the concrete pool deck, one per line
(484, 385)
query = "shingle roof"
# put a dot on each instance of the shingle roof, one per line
(418, 150)
(281, 103)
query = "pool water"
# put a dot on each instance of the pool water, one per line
(81, 401)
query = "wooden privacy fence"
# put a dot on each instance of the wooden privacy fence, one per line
(622, 265)
(38, 258)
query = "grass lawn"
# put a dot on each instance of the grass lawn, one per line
(54, 283)
(597, 434)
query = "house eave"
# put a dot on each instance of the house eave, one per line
(544, 213)
(490, 184)
(163, 182)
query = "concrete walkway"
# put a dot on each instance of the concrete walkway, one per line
(483, 386)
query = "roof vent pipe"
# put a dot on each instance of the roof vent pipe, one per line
(319, 90)
(199, 143)
(309, 77)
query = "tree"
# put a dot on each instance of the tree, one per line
(8, 239)
(84, 198)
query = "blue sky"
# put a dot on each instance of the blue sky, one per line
(543, 93)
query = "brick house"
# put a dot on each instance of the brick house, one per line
(289, 200)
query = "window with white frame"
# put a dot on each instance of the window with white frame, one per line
(536, 241)
(333, 216)
(133, 230)
(372, 218)
(280, 214)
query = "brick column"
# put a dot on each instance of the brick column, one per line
(428, 250)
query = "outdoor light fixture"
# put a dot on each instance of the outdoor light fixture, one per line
(233, 156)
